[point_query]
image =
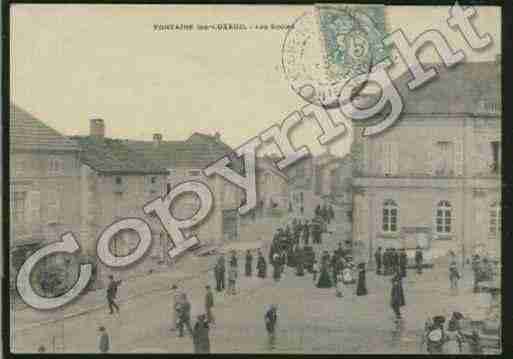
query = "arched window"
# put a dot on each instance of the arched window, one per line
(390, 214)
(443, 217)
(495, 220)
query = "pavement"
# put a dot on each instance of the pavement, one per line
(311, 320)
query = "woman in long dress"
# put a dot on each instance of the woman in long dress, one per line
(200, 337)
(261, 266)
(324, 277)
(361, 288)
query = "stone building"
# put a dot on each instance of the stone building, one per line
(272, 185)
(44, 197)
(115, 183)
(434, 178)
(185, 161)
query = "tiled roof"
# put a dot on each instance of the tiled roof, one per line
(455, 90)
(458, 90)
(29, 133)
(112, 156)
(198, 151)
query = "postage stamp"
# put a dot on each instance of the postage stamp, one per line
(331, 45)
(219, 179)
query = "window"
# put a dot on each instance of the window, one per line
(19, 207)
(495, 220)
(443, 217)
(119, 180)
(53, 207)
(153, 180)
(390, 214)
(444, 165)
(495, 165)
(55, 166)
(389, 158)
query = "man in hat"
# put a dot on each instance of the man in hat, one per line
(419, 259)
(200, 336)
(270, 318)
(377, 257)
(112, 290)
(104, 344)
(397, 295)
(220, 273)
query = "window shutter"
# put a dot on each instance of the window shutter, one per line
(458, 158)
(33, 206)
(394, 158)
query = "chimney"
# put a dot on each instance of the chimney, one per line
(157, 139)
(97, 128)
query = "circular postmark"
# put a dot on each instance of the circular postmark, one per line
(328, 47)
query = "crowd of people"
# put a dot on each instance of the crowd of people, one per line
(292, 246)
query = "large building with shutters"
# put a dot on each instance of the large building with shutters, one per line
(434, 178)
(44, 188)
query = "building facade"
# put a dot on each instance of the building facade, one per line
(434, 178)
(185, 161)
(44, 183)
(115, 183)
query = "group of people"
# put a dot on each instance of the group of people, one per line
(391, 261)
(449, 339)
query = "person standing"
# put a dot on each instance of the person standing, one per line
(476, 269)
(394, 261)
(361, 287)
(104, 344)
(276, 267)
(112, 291)
(232, 279)
(184, 315)
(377, 257)
(220, 273)
(419, 259)
(299, 255)
(403, 262)
(233, 259)
(324, 276)
(306, 233)
(249, 263)
(331, 213)
(175, 306)
(397, 295)
(270, 319)
(340, 285)
(454, 275)
(435, 336)
(209, 304)
(200, 335)
(261, 265)
(453, 342)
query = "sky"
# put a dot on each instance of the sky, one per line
(70, 63)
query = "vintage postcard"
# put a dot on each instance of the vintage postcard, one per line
(314, 179)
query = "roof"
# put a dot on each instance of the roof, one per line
(198, 151)
(461, 89)
(455, 90)
(112, 156)
(29, 133)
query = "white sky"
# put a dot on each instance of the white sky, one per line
(71, 63)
